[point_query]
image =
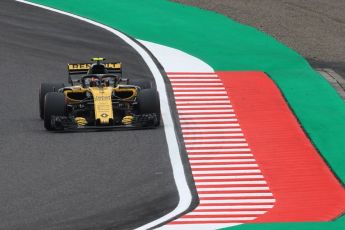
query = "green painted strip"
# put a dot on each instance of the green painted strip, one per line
(227, 45)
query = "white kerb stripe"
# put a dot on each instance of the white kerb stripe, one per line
(209, 130)
(214, 135)
(229, 213)
(200, 97)
(210, 166)
(198, 88)
(203, 102)
(195, 80)
(200, 92)
(221, 161)
(209, 125)
(206, 111)
(215, 219)
(215, 140)
(228, 177)
(233, 189)
(237, 201)
(193, 75)
(218, 150)
(197, 226)
(197, 84)
(230, 182)
(230, 171)
(207, 120)
(234, 207)
(267, 194)
(206, 116)
(202, 106)
(217, 145)
(220, 155)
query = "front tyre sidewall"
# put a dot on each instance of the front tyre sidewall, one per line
(148, 102)
(54, 105)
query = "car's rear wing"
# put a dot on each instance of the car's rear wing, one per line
(82, 68)
(77, 69)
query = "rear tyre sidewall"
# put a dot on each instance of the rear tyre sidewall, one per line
(142, 83)
(54, 105)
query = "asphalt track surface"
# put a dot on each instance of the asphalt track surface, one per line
(314, 28)
(93, 180)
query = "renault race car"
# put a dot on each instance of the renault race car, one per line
(97, 97)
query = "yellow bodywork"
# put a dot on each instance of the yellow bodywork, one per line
(103, 103)
(102, 97)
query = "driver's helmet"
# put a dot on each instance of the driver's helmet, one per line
(106, 82)
(94, 81)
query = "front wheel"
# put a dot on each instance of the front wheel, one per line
(54, 105)
(148, 103)
(44, 89)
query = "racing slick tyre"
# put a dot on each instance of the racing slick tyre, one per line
(54, 105)
(44, 89)
(142, 83)
(148, 103)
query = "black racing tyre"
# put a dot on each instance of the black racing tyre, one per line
(142, 83)
(44, 89)
(54, 105)
(148, 102)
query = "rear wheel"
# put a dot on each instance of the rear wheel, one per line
(54, 105)
(44, 89)
(148, 103)
(142, 83)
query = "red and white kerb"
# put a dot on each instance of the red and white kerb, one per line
(229, 182)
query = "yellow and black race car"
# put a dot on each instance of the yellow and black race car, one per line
(97, 97)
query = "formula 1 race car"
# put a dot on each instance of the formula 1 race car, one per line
(97, 97)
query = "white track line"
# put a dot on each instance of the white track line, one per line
(172, 141)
